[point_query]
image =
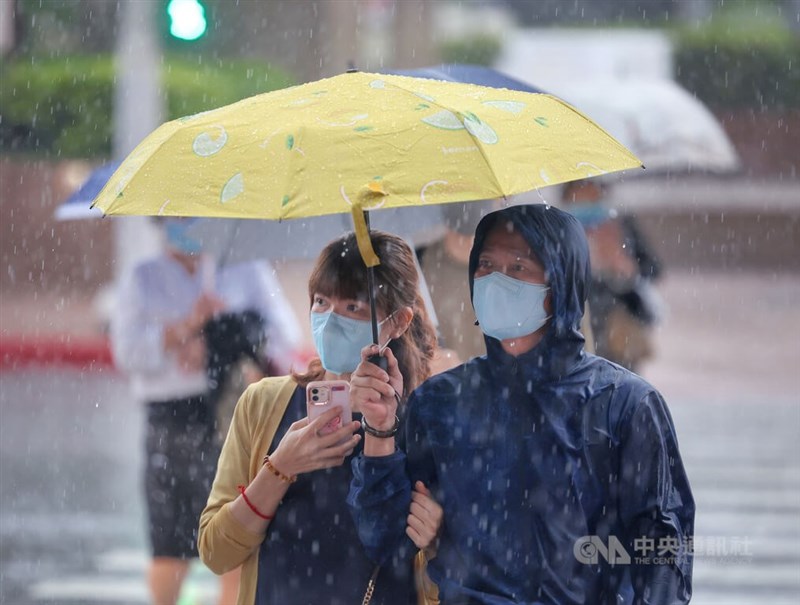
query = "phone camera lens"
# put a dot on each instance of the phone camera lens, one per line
(315, 391)
(314, 398)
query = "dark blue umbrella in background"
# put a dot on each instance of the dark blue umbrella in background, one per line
(77, 205)
(468, 74)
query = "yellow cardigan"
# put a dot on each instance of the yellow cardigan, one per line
(223, 542)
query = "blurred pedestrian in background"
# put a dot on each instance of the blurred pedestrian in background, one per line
(623, 301)
(278, 504)
(444, 265)
(158, 338)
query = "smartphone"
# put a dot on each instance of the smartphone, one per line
(323, 395)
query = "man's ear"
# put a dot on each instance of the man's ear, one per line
(401, 321)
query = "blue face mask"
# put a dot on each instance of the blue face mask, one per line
(339, 340)
(590, 214)
(507, 307)
(178, 238)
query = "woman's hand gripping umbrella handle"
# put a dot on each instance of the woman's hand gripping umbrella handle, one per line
(375, 392)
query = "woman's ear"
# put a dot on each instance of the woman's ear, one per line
(401, 321)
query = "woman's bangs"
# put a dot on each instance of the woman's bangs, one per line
(339, 277)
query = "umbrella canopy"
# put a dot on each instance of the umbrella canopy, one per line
(239, 240)
(359, 139)
(236, 240)
(358, 142)
(664, 125)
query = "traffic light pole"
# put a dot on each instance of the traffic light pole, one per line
(138, 110)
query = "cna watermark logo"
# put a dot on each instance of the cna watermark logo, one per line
(667, 550)
(590, 549)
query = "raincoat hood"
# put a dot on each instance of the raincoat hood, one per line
(559, 242)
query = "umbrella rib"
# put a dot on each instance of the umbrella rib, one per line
(482, 151)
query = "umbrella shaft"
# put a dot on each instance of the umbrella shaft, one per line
(371, 288)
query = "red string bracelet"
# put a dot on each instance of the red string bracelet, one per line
(252, 506)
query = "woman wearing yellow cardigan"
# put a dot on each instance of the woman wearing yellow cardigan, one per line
(278, 504)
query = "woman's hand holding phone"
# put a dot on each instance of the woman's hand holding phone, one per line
(303, 449)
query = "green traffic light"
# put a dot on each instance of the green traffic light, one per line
(187, 19)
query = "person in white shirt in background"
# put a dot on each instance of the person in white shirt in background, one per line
(157, 339)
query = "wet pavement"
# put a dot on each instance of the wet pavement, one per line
(71, 515)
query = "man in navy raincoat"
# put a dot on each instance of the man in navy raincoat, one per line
(558, 472)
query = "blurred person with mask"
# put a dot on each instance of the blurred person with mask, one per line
(158, 338)
(444, 265)
(278, 504)
(537, 452)
(625, 305)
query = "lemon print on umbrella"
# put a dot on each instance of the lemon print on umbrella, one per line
(480, 129)
(444, 119)
(474, 125)
(514, 107)
(233, 188)
(206, 144)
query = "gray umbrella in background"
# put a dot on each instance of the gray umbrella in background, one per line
(239, 240)
(662, 123)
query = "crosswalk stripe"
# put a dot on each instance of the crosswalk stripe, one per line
(744, 575)
(122, 580)
(752, 500)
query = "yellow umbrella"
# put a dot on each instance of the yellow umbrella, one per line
(358, 142)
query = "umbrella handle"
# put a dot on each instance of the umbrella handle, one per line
(380, 361)
(373, 313)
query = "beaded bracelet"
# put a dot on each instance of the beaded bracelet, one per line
(276, 472)
(253, 506)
